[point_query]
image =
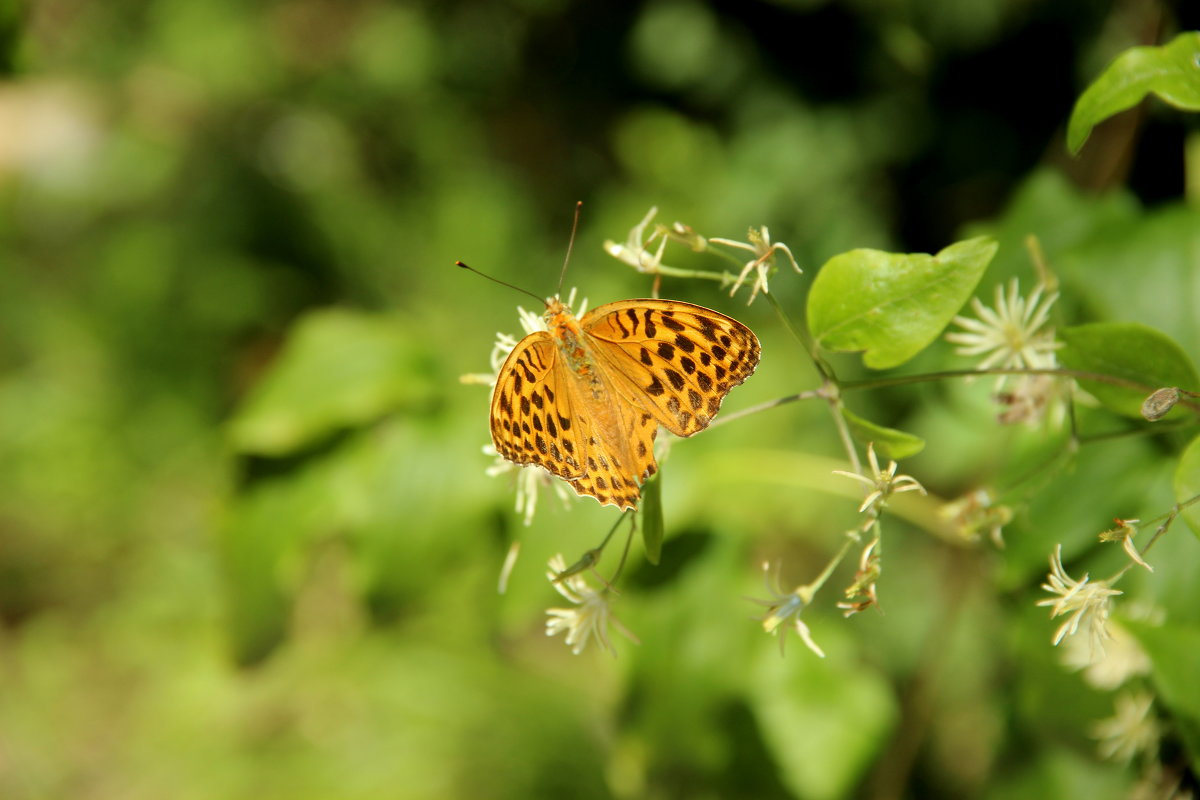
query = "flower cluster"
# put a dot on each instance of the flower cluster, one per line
(636, 252)
(591, 616)
(883, 484)
(763, 263)
(975, 513)
(784, 606)
(1132, 729)
(1012, 336)
(1087, 602)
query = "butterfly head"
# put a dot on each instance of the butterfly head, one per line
(555, 309)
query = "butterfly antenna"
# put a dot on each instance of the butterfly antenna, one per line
(570, 245)
(541, 300)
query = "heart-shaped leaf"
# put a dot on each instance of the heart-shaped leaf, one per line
(892, 305)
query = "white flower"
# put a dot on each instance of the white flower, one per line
(883, 482)
(1121, 659)
(510, 561)
(1124, 532)
(685, 235)
(633, 252)
(763, 262)
(976, 512)
(1031, 397)
(1131, 730)
(529, 478)
(783, 606)
(1087, 603)
(590, 618)
(1009, 335)
(862, 594)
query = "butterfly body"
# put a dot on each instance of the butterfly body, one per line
(567, 334)
(584, 398)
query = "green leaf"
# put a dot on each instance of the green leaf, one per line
(892, 305)
(890, 443)
(1140, 357)
(652, 517)
(338, 369)
(835, 712)
(1174, 652)
(1172, 72)
(262, 530)
(1187, 483)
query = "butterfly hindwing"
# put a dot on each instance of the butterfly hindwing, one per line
(674, 359)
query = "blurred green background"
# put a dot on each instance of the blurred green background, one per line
(247, 543)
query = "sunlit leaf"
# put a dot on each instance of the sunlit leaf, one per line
(1174, 652)
(338, 369)
(270, 527)
(835, 714)
(1172, 72)
(1187, 483)
(1141, 360)
(263, 527)
(889, 442)
(892, 305)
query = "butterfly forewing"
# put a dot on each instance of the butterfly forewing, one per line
(533, 419)
(675, 360)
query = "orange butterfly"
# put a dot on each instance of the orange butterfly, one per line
(584, 399)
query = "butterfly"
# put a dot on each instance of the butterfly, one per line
(584, 398)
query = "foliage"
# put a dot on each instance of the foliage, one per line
(1172, 72)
